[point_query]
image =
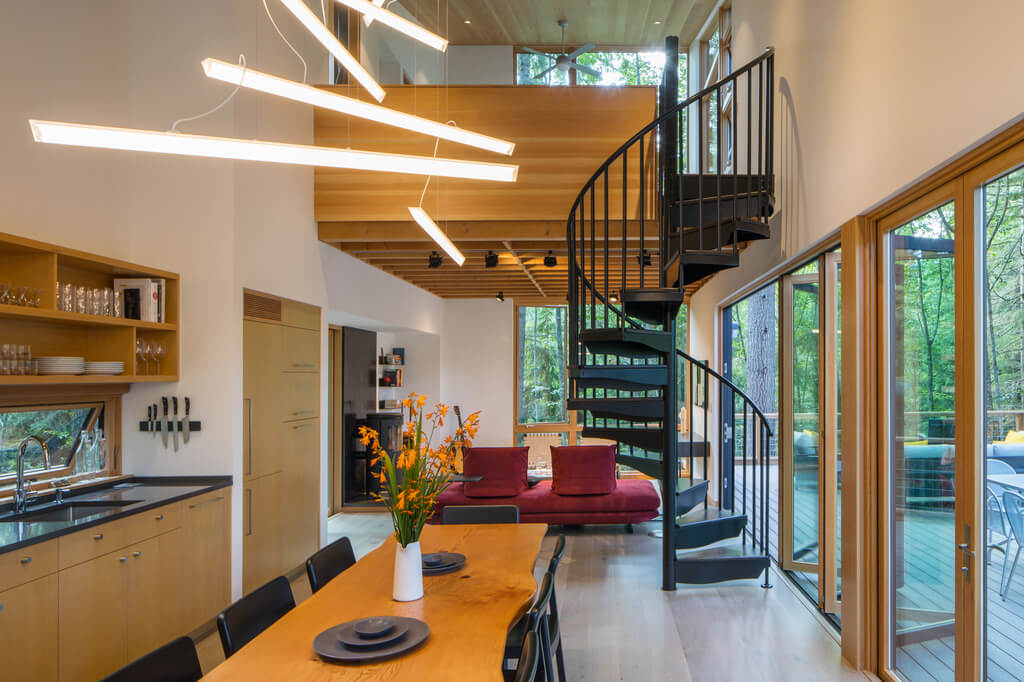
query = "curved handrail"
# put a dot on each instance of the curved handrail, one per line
(603, 168)
(733, 387)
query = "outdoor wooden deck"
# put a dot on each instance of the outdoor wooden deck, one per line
(928, 587)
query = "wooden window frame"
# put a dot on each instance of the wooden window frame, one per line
(58, 397)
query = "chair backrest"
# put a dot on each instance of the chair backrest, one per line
(176, 661)
(529, 659)
(480, 513)
(1013, 504)
(995, 520)
(998, 466)
(252, 614)
(556, 556)
(327, 563)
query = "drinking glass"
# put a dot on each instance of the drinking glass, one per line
(5, 293)
(69, 296)
(116, 309)
(33, 298)
(94, 301)
(19, 296)
(140, 354)
(159, 350)
(106, 302)
(80, 306)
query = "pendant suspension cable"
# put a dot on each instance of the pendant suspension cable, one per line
(274, 23)
(174, 126)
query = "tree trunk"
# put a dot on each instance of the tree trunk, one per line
(762, 350)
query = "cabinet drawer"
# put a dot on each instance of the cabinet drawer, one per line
(22, 565)
(301, 396)
(301, 350)
(93, 542)
(153, 522)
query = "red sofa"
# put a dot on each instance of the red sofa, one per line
(577, 472)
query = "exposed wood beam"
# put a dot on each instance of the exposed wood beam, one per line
(376, 232)
(525, 269)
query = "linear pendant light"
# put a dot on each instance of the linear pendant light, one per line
(327, 39)
(397, 22)
(256, 80)
(368, 19)
(82, 135)
(431, 228)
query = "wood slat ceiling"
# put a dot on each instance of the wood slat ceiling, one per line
(607, 23)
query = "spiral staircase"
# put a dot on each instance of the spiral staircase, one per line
(675, 204)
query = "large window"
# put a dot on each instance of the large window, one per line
(616, 68)
(61, 428)
(541, 364)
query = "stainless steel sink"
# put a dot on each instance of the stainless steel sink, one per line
(68, 511)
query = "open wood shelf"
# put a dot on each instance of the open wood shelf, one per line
(26, 262)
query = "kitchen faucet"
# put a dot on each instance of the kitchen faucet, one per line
(20, 496)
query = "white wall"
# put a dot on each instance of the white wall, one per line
(477, 351)
(388, 54)
(222, 225)
(480, 65)
(421, 373)
(871, 95)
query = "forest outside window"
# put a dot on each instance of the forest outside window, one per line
(617, 68)
(541, 381)
(60, 427)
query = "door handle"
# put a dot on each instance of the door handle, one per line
(248, 495)
(203, 504)
(136, 554)
(965, 547)
(27, 560)
(249, 403)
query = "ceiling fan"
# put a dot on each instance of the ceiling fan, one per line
(564, 62)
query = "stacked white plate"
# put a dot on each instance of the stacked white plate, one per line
(104, 367)
(61, 365)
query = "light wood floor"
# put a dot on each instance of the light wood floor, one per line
(618, 624)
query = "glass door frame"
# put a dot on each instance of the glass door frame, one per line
(967, 412)
(826, 568)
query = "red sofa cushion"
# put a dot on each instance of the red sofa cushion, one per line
(503, 471)
(583, 469)
(632, 501)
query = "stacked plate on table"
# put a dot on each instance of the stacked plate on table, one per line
(370, 639)
(61, 365)
(442, 562)
(94, 368)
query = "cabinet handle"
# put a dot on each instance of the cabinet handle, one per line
(27, 560)
(98, 536)
(203, 504)
(302, 426)
(303, 364)
(248, 494)
(302, 412)
(249, 402)
(136, 554)
(159, 517)
(122, 559)
(1, 607)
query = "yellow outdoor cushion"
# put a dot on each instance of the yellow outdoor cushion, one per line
(916, 442)
(1014, 437)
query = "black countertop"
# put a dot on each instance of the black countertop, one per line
(145, 492)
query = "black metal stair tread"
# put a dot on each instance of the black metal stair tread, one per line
(627, 342)
(652, 295)
(631, 409)
(652, 304)
(709, 515)
(753, 182)
(684, 485)
(733, 551)
(621, 377)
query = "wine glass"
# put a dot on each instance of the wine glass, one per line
(19, 296)
(5, 293)
(140, 354)
(159, 351)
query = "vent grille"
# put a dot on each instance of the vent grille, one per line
(262, 307)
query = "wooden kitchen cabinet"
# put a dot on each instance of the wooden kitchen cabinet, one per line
(263, 399)
(28, 621)
(301, 473)
(301, 350)
(206, 563)
(92, 629)
(262, 525)
(153, 589)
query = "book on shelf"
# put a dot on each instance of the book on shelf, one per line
(390, 378)
(142, 299)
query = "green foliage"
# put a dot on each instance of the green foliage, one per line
(617, 68)
(59, 428)
(542, 362)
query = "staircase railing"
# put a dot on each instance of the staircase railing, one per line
(630, 220)
(742, 443)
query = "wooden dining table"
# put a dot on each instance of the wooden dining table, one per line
(468, 611)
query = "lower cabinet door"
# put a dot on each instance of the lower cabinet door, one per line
(300, 492)
(152, 610)
(28, 621)
(206, 562)
(91, 631)
(261, 531)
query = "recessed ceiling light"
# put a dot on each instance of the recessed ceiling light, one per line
(467, 21)
(657, 22)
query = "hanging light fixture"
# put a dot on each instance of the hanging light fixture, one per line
(500, 296)
(434, 260)
(431, 228)
(491, 260)
(399, 23)
(327, 39)
(128, 139)
(237, 74)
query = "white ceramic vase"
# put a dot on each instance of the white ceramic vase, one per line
(408, 572)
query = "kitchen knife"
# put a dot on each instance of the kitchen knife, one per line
(149, 417)
(188, 427)
(163, 422)
(174, 424)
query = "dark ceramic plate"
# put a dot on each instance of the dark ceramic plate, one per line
(353, 640)
(449, 561)
(329, 646)
(373, 627)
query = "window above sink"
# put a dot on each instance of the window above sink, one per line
(60, 426)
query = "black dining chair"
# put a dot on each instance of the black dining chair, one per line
(175, 661)
(529, 660)
(554, 631)
(480, 513)
(535, 620)
(327, 563)
(239, 623)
